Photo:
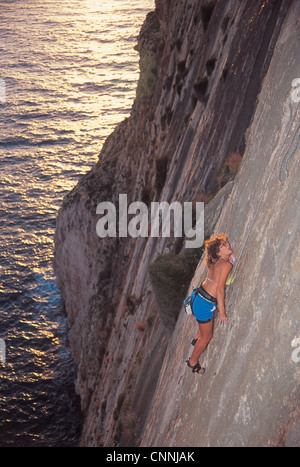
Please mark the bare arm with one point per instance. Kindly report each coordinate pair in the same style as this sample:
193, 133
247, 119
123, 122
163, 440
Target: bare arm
226, 268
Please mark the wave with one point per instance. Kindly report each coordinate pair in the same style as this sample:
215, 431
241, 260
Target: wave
12, 142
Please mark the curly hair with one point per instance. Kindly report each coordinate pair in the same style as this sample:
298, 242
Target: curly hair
212, 247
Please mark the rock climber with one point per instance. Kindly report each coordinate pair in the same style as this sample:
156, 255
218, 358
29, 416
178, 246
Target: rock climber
210, 296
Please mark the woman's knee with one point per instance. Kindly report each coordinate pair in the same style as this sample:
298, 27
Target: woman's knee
205, 332
209, 337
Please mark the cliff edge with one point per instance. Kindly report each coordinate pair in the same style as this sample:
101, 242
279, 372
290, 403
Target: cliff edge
249, 395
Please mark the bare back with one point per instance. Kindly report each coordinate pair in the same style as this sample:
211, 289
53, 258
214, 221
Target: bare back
213, 277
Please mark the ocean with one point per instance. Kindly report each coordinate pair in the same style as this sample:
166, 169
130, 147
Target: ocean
68, 74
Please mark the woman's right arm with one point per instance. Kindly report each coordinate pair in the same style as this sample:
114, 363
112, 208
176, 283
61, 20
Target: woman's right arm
226, 268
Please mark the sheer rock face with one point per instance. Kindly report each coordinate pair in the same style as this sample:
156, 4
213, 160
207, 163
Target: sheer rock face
209, 70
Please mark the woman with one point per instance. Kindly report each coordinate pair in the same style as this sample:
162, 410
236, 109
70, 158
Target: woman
211, 295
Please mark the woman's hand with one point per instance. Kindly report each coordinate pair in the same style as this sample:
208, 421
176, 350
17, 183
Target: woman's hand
223, 319
232, 259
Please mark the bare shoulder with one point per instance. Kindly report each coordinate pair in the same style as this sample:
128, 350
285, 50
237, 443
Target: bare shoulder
224, 265
224, 269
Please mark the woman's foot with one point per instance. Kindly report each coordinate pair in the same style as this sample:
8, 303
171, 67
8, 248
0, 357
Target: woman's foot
195, 368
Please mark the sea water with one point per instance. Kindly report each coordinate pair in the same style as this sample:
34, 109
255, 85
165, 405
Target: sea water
68, 74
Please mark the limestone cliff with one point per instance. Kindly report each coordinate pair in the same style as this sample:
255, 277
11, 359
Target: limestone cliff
215, 85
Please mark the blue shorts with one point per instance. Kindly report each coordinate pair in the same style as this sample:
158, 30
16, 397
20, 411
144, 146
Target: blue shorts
203, 307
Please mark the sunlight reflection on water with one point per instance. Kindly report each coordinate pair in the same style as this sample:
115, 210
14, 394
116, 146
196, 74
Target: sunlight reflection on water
70, 73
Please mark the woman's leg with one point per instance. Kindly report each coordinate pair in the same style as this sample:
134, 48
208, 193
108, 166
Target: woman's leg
205, 334
198, 334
